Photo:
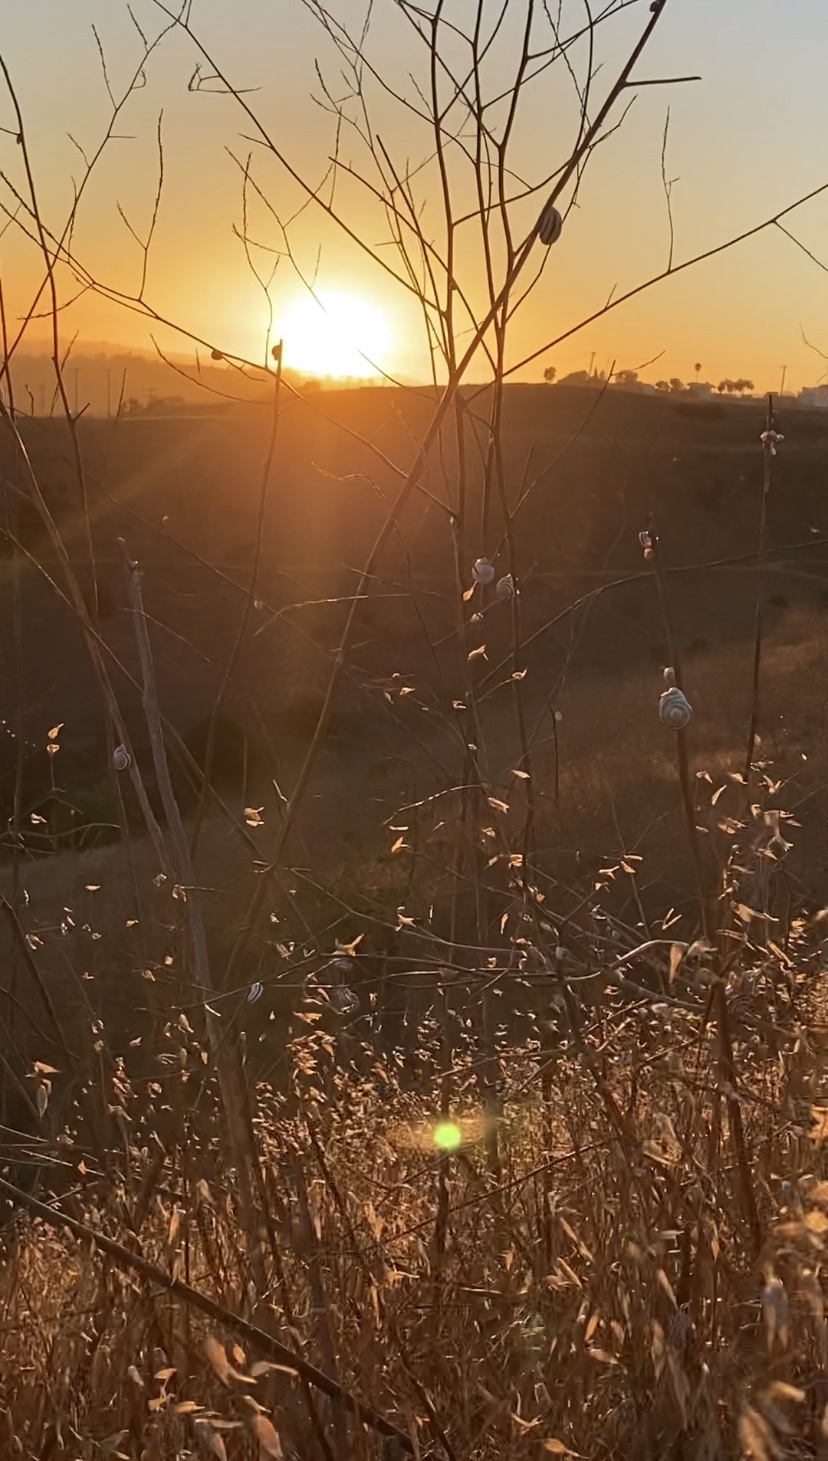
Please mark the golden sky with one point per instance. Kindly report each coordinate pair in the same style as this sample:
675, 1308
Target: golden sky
744, 142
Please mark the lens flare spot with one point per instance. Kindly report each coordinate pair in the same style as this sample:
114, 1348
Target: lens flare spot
448, 1136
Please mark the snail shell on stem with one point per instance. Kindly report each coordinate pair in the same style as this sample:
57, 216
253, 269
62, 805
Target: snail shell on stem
675, 709
505, 588
550, 225
483, 571
121, 758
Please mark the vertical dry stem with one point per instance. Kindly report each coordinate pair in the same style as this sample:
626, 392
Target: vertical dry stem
224, 1051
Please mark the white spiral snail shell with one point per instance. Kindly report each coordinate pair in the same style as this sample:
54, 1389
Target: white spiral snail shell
483, 571
505, 588
121, 758
550, 225
675, 709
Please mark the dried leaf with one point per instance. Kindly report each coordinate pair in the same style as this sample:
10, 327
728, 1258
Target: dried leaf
55, 731
215, 1353
747, 915
264, 1367
755, 1435
497, 804
665, 1285
267, 1437
212, 1440
780, 1390
478, 653
109, 1445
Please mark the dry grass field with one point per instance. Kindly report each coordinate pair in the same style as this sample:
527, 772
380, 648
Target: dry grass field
533, 1161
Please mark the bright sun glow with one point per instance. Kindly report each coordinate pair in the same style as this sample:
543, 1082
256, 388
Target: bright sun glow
448, 1136
334, 335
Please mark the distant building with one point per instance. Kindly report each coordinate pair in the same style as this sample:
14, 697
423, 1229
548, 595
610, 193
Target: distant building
814, 396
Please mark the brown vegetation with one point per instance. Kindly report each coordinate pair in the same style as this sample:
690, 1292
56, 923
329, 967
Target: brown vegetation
581, 1275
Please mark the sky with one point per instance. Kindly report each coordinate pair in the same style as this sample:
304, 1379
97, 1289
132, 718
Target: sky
745, 141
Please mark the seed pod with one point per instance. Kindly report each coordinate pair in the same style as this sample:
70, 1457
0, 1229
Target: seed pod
550, 225
675, 709
483, 571
121, 758
505, 588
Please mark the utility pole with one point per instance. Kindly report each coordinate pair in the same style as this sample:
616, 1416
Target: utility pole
108, 394
782, 386
591, 364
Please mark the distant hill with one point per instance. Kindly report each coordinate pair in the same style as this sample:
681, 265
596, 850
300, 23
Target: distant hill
102, 380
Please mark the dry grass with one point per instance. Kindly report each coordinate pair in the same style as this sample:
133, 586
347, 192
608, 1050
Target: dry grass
578, 1277
597, 1296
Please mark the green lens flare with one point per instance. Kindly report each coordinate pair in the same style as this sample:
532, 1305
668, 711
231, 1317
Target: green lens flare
448, 1136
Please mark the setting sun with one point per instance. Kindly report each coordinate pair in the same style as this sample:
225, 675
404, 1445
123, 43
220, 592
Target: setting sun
333, 334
